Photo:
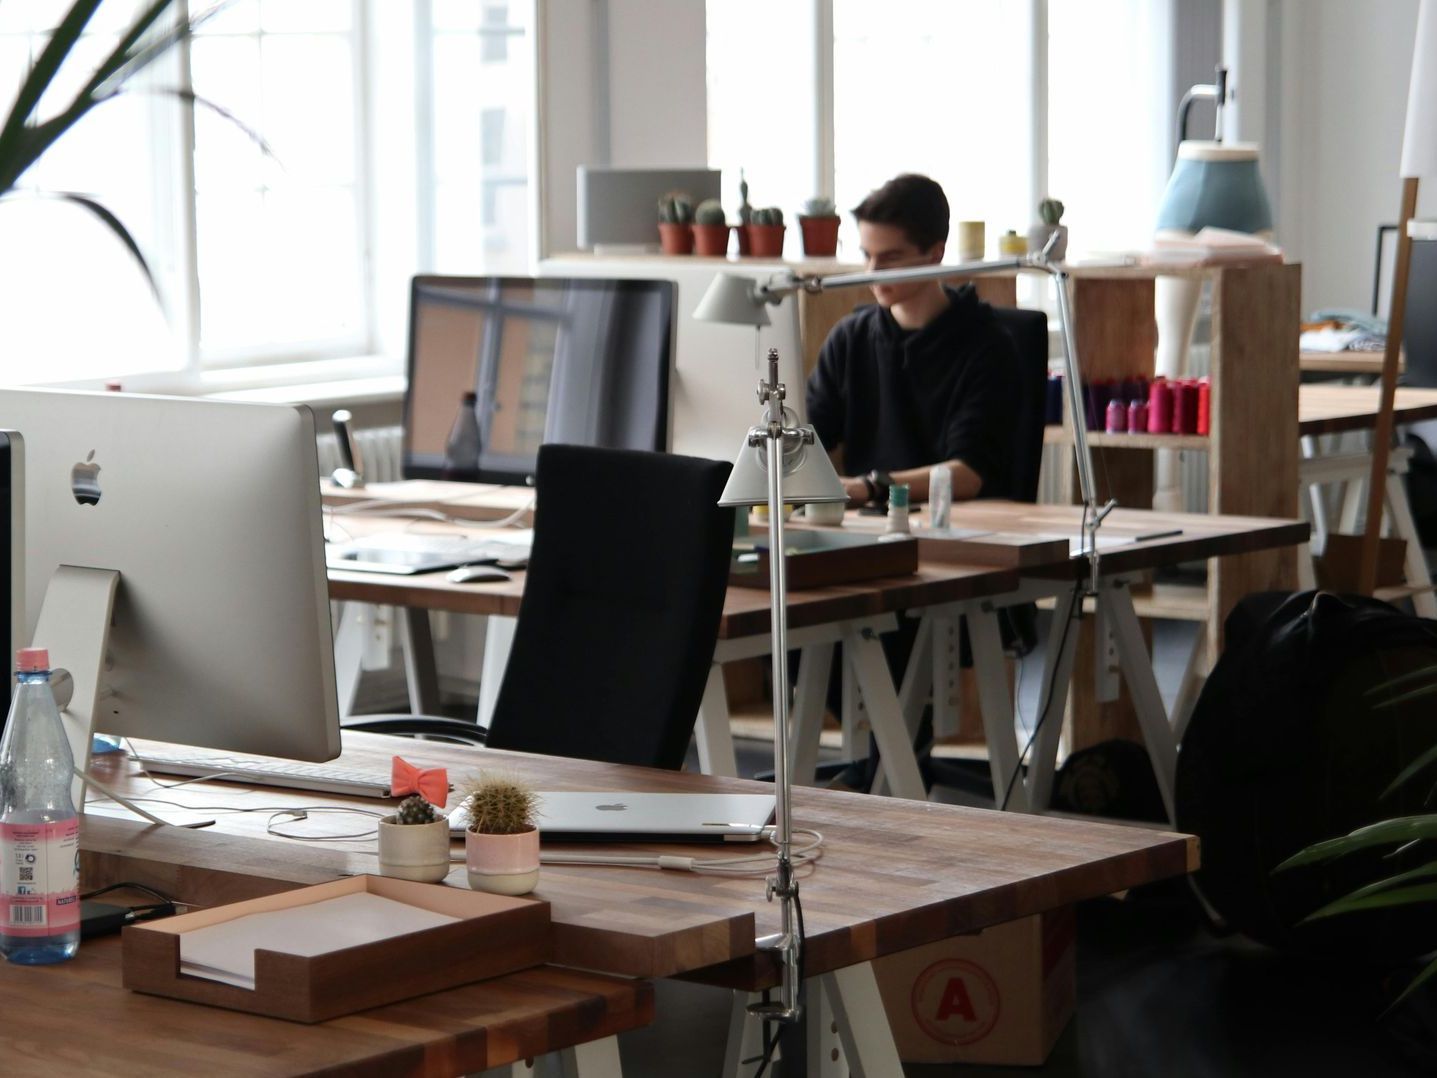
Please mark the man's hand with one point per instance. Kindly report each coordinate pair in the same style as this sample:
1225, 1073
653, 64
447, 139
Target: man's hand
856, 488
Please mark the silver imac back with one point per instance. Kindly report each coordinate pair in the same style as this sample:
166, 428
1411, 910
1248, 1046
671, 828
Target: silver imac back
210, 512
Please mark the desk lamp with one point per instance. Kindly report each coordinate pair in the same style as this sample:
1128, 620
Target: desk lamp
1419, 159
781, 461
1214, 184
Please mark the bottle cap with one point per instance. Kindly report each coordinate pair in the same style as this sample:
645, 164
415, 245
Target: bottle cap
30, 660
898, 496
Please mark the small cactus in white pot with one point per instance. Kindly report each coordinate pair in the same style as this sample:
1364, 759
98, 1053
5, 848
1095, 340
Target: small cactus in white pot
1051, 212
501, 843
414, 842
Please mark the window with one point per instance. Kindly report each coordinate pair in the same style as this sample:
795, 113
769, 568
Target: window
949, 88
383, 120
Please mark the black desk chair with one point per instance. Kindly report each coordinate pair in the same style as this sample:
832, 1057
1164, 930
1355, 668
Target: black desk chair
620, 615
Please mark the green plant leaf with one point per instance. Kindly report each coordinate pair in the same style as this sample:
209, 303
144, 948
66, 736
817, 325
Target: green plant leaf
1384, 833
191, 98
1420, 674
1417, 982
1426, 871
41, 75
116, 226
1413, 769
1402, 896
1413, 694
125, 59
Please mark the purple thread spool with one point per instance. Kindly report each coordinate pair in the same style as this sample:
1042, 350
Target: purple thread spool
1160, 407
1117, 417
1137, 416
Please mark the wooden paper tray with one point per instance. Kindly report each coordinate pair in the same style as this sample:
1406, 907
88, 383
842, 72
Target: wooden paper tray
820, 557
1005, 550
497, 935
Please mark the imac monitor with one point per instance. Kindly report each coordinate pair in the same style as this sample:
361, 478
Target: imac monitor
584, 361
210, 513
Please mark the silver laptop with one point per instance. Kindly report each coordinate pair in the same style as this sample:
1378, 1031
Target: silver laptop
647, 817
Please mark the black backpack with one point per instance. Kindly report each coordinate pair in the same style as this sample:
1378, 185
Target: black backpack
1288, 746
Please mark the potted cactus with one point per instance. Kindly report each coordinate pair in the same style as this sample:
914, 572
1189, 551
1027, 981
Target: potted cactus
818, 225
501, 843
745, 214
1050, 211
414, 842
710, 229
765, 234
676, 217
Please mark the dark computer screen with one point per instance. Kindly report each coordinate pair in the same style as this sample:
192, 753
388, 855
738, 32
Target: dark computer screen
584, 361
12, 574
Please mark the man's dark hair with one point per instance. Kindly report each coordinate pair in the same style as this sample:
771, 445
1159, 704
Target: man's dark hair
914, 203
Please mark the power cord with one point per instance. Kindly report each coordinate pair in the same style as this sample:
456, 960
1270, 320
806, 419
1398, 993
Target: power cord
1046, 700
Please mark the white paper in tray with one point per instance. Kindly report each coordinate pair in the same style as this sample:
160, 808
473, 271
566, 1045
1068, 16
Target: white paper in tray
225, 951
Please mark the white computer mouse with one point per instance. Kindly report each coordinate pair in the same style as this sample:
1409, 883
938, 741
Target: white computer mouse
477, 574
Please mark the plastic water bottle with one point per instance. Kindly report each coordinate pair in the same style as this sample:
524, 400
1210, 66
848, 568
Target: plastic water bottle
461, 449
940, 495
39, 830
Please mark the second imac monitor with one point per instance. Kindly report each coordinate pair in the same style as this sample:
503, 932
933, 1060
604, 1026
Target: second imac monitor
580, 361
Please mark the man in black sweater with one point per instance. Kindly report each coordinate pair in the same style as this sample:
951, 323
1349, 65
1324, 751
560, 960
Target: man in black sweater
926, 376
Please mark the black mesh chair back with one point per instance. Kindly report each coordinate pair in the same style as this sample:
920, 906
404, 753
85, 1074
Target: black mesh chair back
1029, 330
621, 607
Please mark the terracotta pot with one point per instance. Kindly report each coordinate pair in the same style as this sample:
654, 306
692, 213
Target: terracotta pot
820, 236
502, 864
743, 244
676, 239
414, 851
766, 241
711, 240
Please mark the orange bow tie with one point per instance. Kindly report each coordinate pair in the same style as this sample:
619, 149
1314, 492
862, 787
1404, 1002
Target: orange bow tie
430, 783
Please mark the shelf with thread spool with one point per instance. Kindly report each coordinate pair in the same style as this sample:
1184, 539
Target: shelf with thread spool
1053, 434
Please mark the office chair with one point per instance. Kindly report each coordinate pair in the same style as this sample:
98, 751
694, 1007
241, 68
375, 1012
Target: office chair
620, 614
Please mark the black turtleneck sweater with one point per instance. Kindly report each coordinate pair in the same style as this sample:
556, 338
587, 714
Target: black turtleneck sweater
897, 399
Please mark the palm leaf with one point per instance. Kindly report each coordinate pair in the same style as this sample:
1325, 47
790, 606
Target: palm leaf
1421, 979
1423, 872
1402, 896
1421, 674
191, 98
121, 56
1404, 829
115, 225
1412, 770
1413, 694
42, 74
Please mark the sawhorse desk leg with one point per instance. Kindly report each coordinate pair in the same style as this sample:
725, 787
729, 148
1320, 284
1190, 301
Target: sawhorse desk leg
597, 1059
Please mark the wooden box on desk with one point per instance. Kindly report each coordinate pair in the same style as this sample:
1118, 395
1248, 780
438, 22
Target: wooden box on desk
1006, 550
820, 557
494, 936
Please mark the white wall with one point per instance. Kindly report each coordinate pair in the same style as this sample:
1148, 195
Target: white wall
621, 83
1343, 69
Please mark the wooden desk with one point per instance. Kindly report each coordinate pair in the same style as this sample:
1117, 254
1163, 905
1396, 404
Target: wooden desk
1328, 409
75, 1019
1354, 363
854, 614
895, 874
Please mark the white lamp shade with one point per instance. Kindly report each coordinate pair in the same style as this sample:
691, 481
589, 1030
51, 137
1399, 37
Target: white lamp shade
732, 299
808, 477
1419, 143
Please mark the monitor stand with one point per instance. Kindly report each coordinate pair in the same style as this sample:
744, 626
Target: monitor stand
74, 626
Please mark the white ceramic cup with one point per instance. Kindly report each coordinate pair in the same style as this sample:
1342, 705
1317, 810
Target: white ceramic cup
823, 512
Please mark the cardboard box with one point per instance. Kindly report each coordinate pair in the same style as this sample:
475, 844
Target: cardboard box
1000, 996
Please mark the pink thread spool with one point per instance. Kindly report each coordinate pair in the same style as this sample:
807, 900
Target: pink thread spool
1185, 407
1137, 416
1117, 417
1204, 416
1160, 407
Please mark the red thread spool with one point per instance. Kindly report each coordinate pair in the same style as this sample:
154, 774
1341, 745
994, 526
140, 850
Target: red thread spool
1184, 408
1160, 407
1117, 417
1204, 416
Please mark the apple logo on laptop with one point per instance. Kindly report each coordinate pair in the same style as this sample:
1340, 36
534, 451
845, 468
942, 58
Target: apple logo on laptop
85, 481
617, 806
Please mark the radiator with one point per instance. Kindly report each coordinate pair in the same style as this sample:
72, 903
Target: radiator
380, 448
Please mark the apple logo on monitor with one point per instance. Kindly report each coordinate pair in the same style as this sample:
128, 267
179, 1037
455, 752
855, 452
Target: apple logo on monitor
85, 481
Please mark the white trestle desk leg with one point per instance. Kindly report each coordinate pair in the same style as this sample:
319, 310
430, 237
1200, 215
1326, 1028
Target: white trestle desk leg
349, 653
996, 705
862, 650
1399, 510
1147, 700
1058, 654
498, 639
809, 700
712, 732
862, 1022
745, 1037
824, 1046
597, 1059
419, 669
1194, 676
913, 693
854, 720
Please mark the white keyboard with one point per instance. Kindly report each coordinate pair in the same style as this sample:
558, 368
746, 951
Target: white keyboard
289, 774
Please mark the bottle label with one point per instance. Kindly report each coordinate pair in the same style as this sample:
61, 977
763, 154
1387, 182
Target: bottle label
39, 878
